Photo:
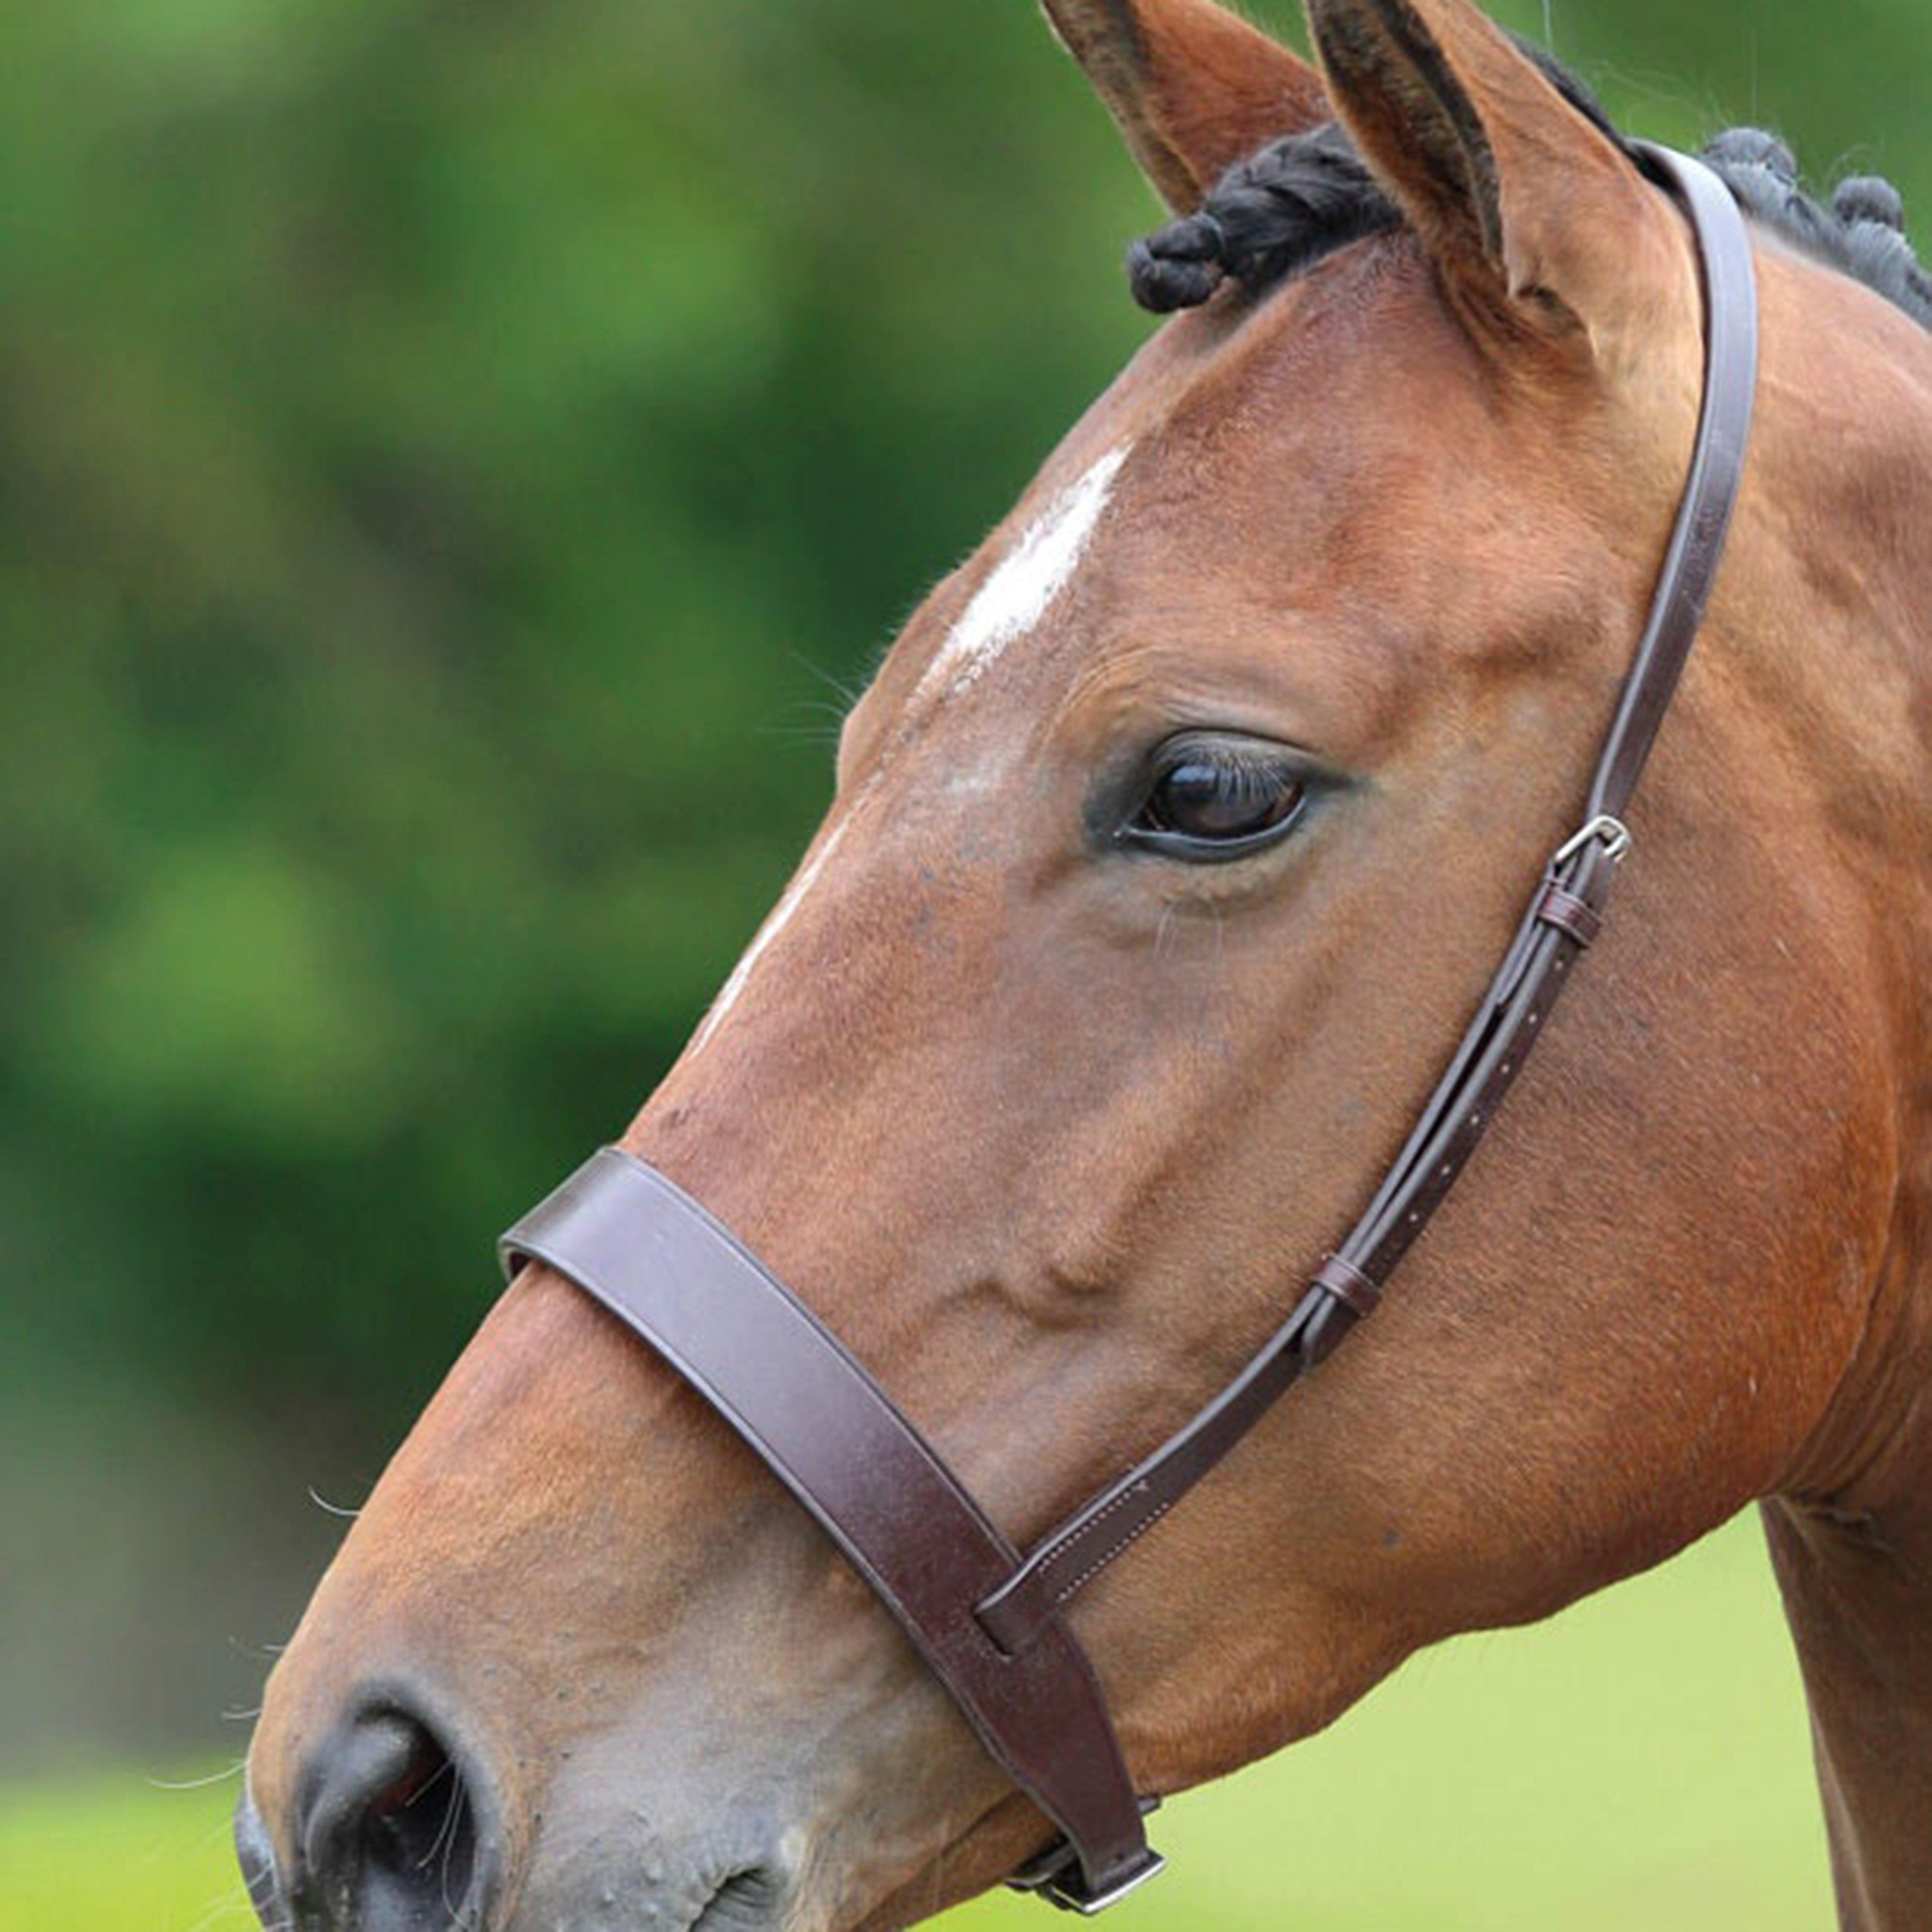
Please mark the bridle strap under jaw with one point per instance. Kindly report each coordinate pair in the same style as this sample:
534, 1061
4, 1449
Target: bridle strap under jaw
988, 1622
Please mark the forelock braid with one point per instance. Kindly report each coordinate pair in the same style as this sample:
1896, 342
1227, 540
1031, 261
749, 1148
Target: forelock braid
1276, 214
1273, 216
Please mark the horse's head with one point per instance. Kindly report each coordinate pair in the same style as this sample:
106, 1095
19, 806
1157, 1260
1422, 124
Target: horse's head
1172, 848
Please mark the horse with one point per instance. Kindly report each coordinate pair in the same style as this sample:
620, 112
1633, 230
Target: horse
1172, 848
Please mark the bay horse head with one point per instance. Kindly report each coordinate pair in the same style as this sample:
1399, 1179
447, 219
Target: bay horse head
1172, 848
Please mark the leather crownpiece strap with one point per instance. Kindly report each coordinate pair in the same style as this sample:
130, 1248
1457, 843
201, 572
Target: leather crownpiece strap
989, 1621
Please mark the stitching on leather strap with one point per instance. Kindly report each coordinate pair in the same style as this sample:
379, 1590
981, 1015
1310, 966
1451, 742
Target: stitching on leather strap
1072, 1589
1076, 1538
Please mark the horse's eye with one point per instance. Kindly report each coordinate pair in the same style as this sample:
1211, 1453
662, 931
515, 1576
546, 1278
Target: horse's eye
1217, 797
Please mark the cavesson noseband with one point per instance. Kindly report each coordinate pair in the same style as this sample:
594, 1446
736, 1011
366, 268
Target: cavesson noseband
988, 1619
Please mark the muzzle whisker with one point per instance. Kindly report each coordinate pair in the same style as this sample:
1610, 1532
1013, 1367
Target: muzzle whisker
446, 1769
452, 1828
214, 1777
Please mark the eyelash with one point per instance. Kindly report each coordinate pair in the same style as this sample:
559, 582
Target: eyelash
1212, 798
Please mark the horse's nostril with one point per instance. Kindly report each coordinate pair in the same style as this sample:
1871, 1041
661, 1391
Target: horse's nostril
391, 1839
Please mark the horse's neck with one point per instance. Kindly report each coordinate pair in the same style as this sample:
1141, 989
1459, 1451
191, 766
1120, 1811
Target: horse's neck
1852, 1545
1851, 1539
1852, 1550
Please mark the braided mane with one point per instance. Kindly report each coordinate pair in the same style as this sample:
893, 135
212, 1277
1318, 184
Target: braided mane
1273, 216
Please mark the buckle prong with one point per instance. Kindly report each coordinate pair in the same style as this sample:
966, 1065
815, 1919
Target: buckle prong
1614, 834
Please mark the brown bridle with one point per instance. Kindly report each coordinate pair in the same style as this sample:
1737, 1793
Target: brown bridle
987, 1619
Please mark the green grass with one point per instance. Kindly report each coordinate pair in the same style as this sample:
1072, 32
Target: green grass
118, 1855
1640, 1765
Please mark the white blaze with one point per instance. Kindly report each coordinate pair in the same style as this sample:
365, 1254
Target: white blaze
1026, 580
1014, 598
780, 917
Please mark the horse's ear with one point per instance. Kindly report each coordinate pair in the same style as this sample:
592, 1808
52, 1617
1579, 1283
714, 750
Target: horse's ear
1194, 88
1528, 207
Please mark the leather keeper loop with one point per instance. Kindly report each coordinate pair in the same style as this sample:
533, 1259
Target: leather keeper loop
1349, 1286
1564, 910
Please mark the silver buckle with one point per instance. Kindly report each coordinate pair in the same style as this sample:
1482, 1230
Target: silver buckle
1055, 1875
1067, 1886
1614, 834
1089, 1904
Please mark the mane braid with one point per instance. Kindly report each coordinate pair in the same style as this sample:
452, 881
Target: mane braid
1272, 217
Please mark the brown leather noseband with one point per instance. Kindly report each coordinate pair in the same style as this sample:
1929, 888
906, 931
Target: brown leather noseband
988, 1620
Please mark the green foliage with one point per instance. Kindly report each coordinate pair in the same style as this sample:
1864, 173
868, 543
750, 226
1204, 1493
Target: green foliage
455, 460
459, 459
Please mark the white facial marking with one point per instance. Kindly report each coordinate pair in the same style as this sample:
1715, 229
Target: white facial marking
1015, 596
779, 918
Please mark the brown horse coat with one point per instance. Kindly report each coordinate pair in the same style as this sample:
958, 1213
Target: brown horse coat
1043, 1126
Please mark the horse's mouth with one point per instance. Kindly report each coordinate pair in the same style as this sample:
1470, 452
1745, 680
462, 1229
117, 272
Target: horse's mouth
751, 1900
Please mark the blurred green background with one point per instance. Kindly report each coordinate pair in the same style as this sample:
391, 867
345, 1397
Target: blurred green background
456, 460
